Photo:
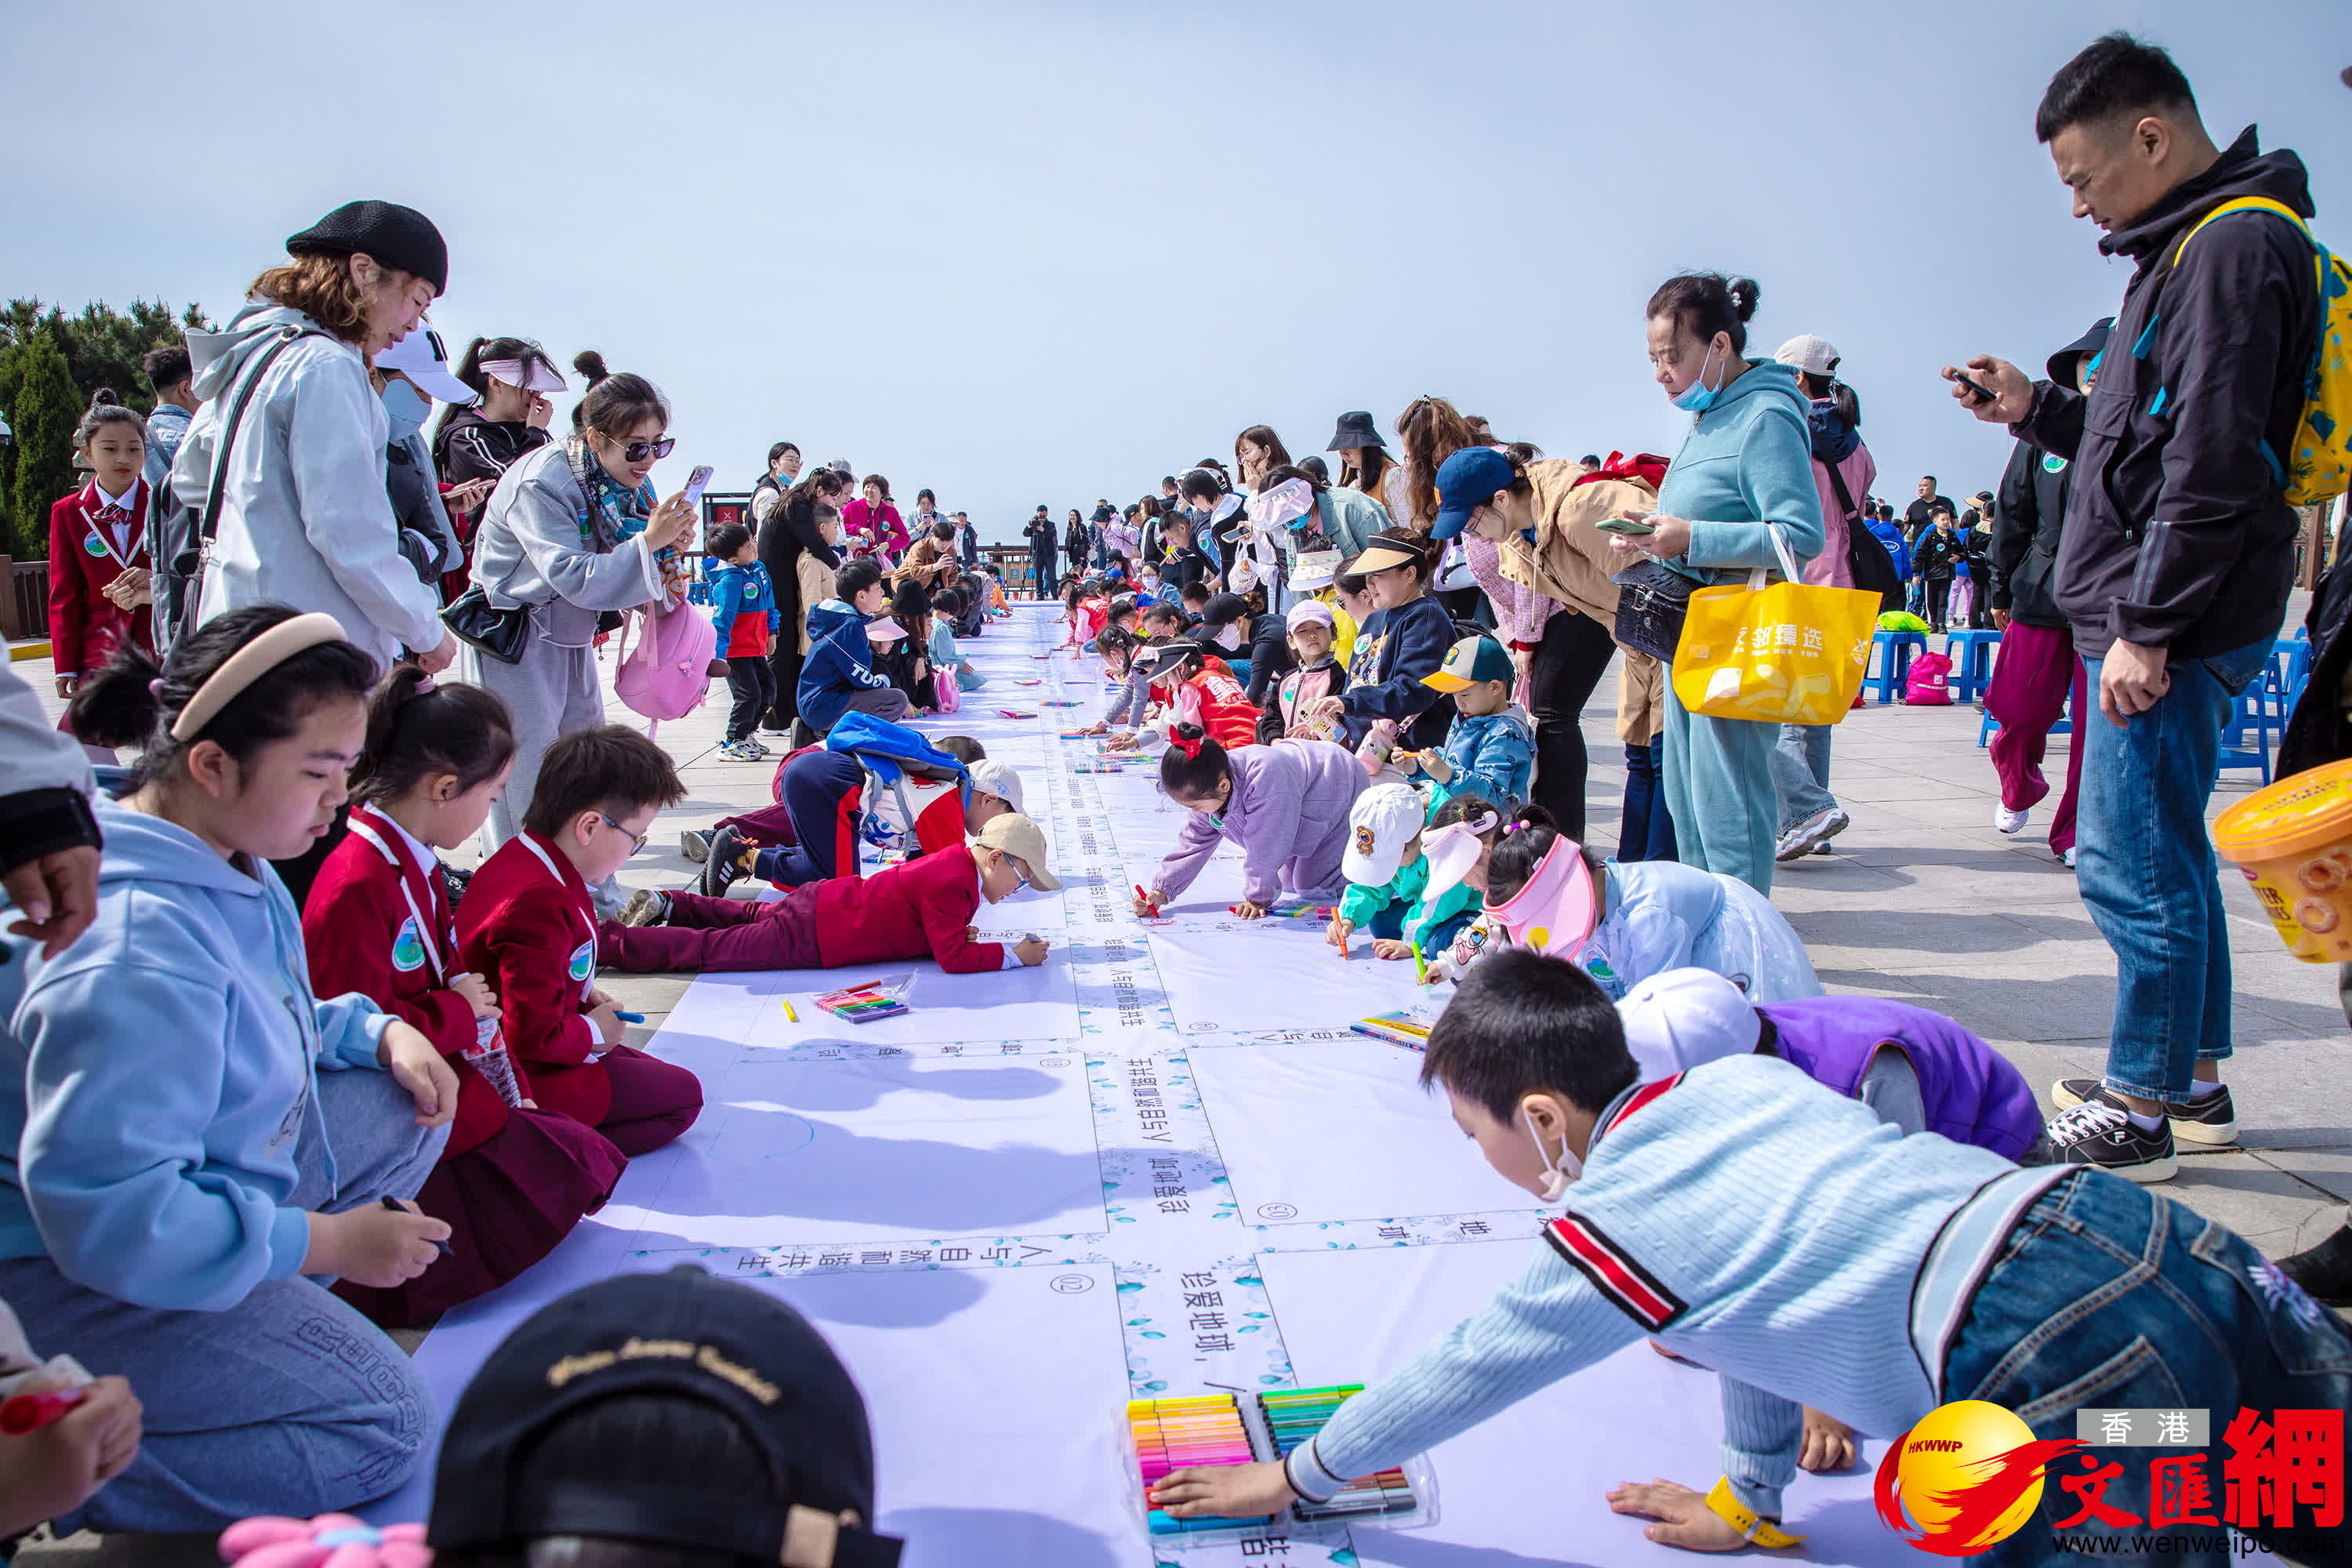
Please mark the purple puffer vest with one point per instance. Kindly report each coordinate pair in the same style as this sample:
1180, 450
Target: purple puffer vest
1971, 1093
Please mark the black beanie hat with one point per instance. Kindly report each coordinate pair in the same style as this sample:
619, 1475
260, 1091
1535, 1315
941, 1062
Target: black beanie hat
396, 235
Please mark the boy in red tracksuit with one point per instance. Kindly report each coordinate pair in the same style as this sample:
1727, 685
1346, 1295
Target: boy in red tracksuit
526, 923
830, 803
920, 908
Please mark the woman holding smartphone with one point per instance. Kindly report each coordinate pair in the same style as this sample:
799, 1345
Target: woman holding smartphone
1745, 471
571, 531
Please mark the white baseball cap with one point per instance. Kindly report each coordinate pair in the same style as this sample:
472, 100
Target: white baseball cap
999, 779
1380, 825
1814, 356
1306, 610
1684, 1018
423, 358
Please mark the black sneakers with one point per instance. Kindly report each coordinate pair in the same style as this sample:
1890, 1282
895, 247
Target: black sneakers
2208, 1119
723, 863
2100, 1132
2324, 1271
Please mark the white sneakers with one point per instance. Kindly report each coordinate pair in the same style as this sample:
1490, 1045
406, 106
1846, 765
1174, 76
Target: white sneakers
1815, 833
2007, 821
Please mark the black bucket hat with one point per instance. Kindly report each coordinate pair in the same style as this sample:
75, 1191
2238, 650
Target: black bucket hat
2062, 363
394, 235
1355, 429
680, 1336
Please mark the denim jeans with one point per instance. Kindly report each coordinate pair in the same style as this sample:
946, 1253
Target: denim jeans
1646, 830
1801, 773
288, 1402
2110, 1297
2148, 873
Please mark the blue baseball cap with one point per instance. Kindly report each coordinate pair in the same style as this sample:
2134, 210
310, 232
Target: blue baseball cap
1466, 481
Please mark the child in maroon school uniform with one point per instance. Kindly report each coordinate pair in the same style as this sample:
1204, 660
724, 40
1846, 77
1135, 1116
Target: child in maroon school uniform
513, 1180
101, 576
527, 922
920, 908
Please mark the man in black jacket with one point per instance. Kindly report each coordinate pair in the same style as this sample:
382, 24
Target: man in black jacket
2175, 561
1043, 542
2037, 666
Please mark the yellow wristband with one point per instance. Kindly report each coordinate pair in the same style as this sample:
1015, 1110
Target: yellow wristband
1757, 1529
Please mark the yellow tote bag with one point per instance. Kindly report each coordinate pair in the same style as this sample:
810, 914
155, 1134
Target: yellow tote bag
1789, 653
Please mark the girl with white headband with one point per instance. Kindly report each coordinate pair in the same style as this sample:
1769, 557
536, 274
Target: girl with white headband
200, 1139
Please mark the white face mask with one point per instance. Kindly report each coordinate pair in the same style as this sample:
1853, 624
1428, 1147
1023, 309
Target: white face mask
1228, 636
1555, 1177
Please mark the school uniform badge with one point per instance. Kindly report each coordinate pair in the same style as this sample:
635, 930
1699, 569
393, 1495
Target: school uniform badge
93, 545
408, 947
583, 960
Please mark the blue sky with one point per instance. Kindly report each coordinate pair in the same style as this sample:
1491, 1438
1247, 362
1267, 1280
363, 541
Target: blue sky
1049, 252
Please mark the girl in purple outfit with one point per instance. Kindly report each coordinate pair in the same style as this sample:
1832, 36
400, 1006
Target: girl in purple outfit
1285, 804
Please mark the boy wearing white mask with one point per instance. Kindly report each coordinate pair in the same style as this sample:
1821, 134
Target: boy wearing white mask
1764, 1225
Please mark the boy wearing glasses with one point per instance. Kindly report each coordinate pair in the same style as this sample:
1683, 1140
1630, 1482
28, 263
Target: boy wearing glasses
527, 924
922, 908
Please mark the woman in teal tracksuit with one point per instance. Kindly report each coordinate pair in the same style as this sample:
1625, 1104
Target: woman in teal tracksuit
1745, 470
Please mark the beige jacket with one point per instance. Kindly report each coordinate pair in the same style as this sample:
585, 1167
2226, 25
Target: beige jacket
1640, 697
1571, 559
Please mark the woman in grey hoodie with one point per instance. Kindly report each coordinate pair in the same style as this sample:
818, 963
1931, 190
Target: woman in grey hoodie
304, 519
571, 531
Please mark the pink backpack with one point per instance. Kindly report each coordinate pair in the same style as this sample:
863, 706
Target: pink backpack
668, 674
949, 694
1926, 687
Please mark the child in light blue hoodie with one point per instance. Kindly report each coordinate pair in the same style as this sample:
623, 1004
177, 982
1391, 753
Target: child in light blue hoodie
1744, 472
199, 1139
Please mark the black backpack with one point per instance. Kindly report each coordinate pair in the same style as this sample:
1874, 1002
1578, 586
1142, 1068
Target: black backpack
1866, 555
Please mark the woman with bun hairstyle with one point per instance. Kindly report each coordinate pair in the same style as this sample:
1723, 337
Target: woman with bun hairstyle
571, 531
100, 570
511, 378
1744, 472
1285, 804
304, 519
513, 1179
198, 1137
792, 526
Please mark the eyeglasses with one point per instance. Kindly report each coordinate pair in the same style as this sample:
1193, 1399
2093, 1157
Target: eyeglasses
636, 840
638, 451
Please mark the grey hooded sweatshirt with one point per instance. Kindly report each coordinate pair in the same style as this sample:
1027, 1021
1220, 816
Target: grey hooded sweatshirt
304, 519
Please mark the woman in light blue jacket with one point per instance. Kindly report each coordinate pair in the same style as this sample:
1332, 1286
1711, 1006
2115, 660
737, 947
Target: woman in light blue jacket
197, 1137
1744, 472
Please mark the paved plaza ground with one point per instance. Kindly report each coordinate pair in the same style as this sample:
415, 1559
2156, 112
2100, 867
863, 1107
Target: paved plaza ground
1922, 901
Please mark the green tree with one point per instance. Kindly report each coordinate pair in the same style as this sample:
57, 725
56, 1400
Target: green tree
44, 409
12, 376
102, 346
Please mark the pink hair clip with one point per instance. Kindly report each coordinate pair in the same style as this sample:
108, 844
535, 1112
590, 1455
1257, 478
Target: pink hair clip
424, 683
155, 689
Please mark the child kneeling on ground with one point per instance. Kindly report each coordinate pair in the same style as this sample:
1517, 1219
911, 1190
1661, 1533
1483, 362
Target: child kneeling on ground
197, 1136
918, 909
1760, 1224
526, 923
1388, 880
1286, 804
1622, 923
514, 1180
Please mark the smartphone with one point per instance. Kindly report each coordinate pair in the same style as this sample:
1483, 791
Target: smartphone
695, 484
1981, 394
1626, 526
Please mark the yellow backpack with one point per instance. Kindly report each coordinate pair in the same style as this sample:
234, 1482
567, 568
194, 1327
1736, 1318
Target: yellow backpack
2320, 467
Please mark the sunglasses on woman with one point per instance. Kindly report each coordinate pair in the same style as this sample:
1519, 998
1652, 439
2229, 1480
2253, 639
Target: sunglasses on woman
638, 451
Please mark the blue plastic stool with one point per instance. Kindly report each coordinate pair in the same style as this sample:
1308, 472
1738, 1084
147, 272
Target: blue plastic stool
1971, 655
2252, 712
2289, 672
1893, 652
2065, 726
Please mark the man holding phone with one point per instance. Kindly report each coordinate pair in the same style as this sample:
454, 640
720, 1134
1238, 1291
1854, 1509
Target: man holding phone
2175, 561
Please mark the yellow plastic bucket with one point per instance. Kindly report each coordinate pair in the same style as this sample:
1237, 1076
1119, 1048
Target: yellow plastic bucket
2294, 842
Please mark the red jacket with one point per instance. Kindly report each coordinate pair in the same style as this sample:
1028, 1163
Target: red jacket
918, 909
378, 925
527, 926
85, 626
1226, 711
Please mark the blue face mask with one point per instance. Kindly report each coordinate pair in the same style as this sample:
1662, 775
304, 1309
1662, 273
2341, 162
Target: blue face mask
405, 407
1697, 397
